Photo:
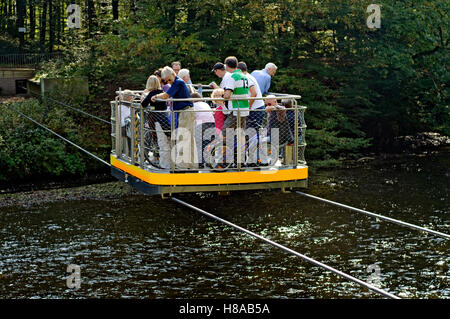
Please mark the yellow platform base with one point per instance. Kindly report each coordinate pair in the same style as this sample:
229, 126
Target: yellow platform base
213, 178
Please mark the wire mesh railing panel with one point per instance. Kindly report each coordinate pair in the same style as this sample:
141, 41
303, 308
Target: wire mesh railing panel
206, 137
26, 59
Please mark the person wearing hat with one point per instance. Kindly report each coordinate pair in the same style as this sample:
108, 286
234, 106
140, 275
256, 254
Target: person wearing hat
220, 71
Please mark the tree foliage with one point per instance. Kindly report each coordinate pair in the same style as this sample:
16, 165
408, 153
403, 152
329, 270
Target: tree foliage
362, 86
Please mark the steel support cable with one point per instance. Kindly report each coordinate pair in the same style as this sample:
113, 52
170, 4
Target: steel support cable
75, 109
389, 219
313, 261
61, 137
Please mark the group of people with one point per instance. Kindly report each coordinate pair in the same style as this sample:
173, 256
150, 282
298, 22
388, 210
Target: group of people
195, 130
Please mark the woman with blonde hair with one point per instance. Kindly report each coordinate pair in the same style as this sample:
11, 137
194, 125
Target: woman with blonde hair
152, 87
158, 119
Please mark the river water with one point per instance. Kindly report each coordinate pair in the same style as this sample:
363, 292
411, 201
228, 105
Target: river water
137, 246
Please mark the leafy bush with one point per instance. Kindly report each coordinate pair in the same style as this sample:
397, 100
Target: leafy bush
362, 87
28, 151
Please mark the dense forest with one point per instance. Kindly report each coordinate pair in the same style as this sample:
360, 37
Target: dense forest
362, 86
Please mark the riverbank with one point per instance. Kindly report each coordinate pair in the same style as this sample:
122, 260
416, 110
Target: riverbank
101, 191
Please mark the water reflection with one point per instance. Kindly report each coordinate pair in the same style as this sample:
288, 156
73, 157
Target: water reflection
146, 247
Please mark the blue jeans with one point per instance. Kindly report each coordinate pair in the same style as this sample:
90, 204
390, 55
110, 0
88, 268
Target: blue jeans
255, 119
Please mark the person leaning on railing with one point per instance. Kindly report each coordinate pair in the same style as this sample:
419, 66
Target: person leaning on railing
236, 86
276, 119
290, 115
264, 76
255, 119
158, 121
186, 155
152, 87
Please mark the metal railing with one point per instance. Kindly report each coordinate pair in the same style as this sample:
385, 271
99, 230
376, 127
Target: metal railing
207, 139
26, 59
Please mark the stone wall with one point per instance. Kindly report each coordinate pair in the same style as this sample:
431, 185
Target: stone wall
71, 86
8, 77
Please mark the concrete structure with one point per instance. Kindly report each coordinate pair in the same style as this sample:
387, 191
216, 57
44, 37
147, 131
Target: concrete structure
13, 80
76, 86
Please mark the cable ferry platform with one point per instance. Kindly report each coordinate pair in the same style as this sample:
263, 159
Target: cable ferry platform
268, 156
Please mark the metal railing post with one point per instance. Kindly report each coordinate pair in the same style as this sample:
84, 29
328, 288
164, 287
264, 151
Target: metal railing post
119, 144
141, 129
131, 148
173, 151
239, 138
113, 126
133, 134
294, 103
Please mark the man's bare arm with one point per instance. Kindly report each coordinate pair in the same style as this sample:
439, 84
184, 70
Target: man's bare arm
160, 96
252, 94
214, 85
228, 94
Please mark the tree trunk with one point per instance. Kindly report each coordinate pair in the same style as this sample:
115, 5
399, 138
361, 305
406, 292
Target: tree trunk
43, 20
133, 10
115, 14
58, 22
104, 13
2, 14
92, 21
9, 14
21, 13
115, 9
32, 19
51, 28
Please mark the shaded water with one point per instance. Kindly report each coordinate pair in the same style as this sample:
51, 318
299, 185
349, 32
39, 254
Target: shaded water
146, 247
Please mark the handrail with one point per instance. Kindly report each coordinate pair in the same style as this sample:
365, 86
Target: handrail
26, 59
139, 105
230, 99
287, 96
262, 151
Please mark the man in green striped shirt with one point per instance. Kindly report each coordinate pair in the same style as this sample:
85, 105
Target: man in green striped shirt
236, 86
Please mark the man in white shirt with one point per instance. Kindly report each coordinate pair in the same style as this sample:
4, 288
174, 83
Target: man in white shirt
254, 120
235, 84
220, 71
257, 104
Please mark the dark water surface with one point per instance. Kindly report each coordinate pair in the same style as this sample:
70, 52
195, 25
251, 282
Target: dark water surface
146, 247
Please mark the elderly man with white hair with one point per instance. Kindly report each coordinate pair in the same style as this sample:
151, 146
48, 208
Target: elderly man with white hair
185, 75
264, 76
